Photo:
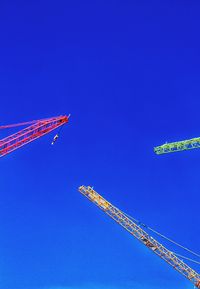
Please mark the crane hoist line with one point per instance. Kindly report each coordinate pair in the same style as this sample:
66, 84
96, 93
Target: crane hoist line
35, 130
135, 230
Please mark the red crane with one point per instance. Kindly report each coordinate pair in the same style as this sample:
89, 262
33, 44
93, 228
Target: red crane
36, 129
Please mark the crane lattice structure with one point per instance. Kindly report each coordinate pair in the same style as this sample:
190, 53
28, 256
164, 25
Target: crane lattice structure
135, 230
178, 146
36, 129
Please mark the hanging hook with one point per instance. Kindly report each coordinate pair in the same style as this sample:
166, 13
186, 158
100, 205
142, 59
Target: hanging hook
55, 139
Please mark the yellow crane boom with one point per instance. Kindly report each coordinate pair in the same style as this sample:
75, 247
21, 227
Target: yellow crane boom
135, 230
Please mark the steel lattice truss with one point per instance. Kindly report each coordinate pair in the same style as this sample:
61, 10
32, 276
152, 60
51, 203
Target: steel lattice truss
141, 235
193, 143
30, 133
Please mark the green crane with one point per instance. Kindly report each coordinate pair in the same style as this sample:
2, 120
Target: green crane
178, 146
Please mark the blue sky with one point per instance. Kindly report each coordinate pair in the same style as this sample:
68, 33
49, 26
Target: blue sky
128, 72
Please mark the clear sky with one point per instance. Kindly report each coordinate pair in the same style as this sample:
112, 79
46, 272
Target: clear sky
128, 72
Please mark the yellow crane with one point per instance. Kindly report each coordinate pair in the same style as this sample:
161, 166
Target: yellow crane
135, 230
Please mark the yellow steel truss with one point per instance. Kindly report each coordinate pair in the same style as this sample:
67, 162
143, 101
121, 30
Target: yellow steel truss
141, 235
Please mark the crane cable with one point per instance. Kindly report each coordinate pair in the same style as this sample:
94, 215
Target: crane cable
168, 239
172, 241
186, 258
58, 133
24, 123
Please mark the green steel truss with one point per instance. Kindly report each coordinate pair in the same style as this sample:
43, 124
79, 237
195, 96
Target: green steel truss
178, 146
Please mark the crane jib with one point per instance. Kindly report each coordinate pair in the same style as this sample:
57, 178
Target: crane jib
128, 224
30, 133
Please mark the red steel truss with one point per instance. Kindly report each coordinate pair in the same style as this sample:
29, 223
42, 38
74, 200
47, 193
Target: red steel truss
141, 235
37, 129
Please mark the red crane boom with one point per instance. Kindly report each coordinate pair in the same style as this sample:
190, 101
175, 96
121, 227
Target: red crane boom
37, 129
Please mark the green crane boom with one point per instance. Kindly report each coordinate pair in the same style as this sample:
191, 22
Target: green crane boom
178, 146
